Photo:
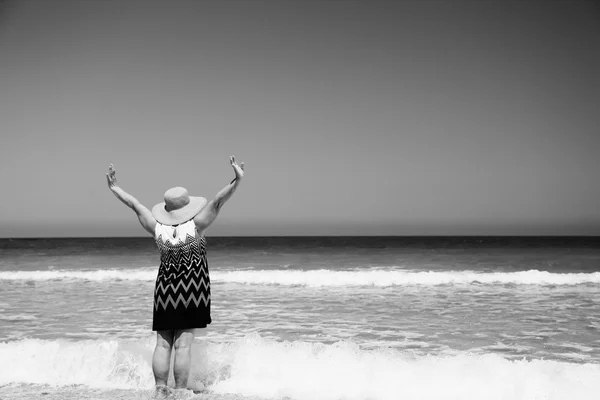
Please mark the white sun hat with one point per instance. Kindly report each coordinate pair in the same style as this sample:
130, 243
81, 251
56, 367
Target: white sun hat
178, 207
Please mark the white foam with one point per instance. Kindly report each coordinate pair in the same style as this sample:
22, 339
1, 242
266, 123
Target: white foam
323, 277
398, 277
254, 366
141, 274
302, 371
92, 363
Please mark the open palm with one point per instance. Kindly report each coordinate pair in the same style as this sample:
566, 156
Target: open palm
238, 169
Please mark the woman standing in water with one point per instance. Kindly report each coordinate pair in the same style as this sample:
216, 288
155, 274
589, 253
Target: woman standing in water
182, 291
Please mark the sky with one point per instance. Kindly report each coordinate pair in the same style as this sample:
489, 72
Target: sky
352, 117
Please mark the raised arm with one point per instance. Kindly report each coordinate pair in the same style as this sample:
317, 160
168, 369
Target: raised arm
143, 214
211, 210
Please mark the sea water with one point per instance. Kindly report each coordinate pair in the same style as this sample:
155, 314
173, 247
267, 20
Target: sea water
311, 318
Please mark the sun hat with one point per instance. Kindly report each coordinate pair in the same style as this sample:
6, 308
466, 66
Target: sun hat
178, 207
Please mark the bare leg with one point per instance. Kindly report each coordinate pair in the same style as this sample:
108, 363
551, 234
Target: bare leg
182, 361
161, 360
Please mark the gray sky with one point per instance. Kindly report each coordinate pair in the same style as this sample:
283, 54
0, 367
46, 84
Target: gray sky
371, 117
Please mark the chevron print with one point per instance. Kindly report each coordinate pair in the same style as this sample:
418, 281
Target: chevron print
197, 284
184, 301
182, 290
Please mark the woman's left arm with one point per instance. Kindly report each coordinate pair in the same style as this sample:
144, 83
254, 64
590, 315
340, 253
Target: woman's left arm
211, 210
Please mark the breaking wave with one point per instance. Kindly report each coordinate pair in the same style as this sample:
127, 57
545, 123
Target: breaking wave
323, 277
254, 366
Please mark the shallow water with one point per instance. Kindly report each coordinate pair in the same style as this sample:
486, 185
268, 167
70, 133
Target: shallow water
308, 318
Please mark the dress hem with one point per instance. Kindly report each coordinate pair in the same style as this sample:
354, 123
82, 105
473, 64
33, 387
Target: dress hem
179, 328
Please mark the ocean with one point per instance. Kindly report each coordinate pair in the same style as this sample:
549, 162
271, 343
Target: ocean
311, 318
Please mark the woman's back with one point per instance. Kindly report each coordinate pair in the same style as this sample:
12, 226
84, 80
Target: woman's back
182, 291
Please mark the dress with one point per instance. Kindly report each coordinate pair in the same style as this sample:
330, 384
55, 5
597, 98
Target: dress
182, 291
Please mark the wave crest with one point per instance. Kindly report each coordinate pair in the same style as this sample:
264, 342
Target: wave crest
324, 277
253, 366
318, 278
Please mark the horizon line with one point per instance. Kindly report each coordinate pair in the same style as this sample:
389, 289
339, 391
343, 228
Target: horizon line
324, 236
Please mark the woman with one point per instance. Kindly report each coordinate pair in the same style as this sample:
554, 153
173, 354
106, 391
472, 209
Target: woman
182, 291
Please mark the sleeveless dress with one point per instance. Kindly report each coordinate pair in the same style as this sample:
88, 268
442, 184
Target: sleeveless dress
182, 290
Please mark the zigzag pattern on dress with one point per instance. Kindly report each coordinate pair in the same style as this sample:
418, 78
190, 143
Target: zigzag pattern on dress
183, 275
181, 299
160, 287
185, 253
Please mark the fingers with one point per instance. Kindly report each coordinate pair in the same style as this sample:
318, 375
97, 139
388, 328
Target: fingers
111, 176
110, 180
234, 164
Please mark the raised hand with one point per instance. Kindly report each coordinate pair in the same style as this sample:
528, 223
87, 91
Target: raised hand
111, 177
238, 169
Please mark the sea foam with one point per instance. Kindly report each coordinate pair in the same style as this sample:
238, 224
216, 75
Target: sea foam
254, 366
108, 363
319, 278
322, 277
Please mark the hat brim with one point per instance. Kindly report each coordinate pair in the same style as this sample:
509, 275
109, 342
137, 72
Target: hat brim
181, 215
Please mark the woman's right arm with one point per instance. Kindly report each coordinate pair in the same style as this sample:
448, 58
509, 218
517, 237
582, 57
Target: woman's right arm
144, 215
209, 213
